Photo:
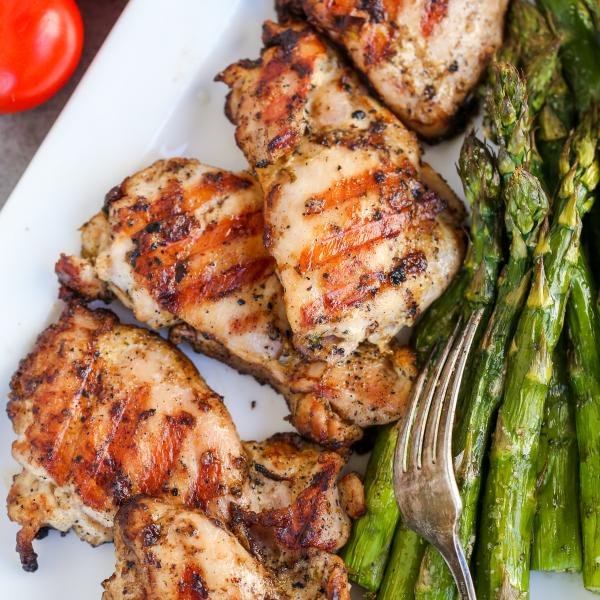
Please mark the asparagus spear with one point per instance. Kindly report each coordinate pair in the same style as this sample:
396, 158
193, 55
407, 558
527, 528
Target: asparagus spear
476, 281
403, 566
526, 208
438, 321
533, 47
580, 49
557, 531
579, 53
584, 371
366, 552
529, 27
539, 72
508, 109
553, 124
481, 183
526, 27
509, 501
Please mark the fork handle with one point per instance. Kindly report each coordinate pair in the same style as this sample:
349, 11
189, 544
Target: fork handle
454, 556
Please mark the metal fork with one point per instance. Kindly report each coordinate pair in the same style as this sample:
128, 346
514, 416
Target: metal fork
424, 482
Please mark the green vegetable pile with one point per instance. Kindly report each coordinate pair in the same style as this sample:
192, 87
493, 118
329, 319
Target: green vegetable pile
527, 437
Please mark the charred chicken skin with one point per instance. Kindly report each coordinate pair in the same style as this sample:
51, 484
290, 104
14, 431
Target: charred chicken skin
423, 57
165, 551
278, 544
295, 495
361, 246
181, 244
104, 411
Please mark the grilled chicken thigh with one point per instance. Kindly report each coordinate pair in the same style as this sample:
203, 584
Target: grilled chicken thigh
181, 244
169, 552
423, 57
361, 245
105, 412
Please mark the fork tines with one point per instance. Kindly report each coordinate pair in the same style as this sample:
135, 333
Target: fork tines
420, 435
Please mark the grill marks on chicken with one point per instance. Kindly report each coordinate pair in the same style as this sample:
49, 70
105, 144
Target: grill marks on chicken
299, 83
339, 253
361, 246
187, 245
181, 233
423, 57
129, 250
105, 411
277, 545
295, 518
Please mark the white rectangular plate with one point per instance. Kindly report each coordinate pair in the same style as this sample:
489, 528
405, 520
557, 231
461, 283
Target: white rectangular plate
149, 94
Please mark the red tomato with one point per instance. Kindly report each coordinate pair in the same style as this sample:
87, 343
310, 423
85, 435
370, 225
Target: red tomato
40, 46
